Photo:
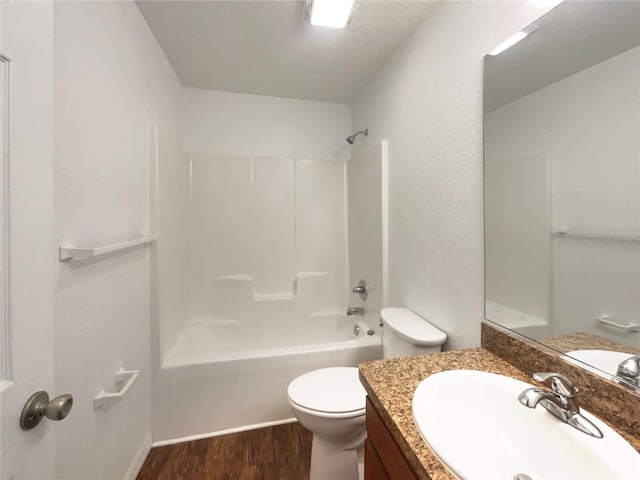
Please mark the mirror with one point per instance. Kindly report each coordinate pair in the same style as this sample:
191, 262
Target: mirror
562, 182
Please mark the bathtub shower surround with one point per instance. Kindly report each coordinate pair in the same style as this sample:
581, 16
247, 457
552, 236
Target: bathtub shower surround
267, 237
268, 293
518, 198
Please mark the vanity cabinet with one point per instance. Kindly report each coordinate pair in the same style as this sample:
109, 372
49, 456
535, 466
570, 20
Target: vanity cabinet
383, 459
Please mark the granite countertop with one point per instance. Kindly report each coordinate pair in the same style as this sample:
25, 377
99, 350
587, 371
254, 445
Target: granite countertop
585, 341
390, 384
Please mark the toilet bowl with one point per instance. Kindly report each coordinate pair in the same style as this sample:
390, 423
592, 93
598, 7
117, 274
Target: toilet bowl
331, 401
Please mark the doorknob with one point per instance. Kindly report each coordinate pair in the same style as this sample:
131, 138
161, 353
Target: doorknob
39, 406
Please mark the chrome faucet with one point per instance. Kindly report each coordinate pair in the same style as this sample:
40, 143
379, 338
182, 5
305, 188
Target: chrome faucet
355, 311
560, 401
629, 370
362, 289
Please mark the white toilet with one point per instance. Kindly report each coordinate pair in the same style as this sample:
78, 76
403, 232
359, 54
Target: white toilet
331, 401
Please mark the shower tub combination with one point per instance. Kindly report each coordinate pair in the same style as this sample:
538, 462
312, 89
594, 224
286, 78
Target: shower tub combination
267, 292
226, 375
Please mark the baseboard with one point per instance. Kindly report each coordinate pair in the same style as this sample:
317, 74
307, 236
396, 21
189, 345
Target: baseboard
138, 459
200, 436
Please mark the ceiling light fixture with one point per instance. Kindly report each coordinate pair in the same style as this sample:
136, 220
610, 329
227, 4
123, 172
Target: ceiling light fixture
329, 13
512, 40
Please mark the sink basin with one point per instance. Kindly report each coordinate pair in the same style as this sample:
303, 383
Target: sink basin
476, 426
604, 360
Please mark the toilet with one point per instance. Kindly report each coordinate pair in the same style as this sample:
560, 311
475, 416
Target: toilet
330, 402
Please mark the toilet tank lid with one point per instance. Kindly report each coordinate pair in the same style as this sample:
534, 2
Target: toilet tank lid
412, 328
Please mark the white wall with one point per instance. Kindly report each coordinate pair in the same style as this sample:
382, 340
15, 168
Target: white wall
221, 122
427, 101
589, 123
111, 82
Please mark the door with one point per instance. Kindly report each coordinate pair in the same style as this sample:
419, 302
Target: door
26, 251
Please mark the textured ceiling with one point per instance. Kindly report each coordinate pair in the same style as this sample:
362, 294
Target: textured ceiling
267, 48
569, 38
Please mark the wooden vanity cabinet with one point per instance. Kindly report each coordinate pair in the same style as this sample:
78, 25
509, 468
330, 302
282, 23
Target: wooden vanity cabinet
383, 459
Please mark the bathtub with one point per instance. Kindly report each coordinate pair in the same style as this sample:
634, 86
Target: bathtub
219, 370
522, 323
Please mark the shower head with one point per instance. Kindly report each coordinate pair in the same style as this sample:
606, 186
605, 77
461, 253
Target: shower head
352, 138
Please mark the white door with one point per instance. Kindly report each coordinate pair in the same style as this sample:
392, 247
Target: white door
26, 33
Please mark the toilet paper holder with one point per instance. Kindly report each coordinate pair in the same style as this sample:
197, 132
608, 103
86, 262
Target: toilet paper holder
123, 381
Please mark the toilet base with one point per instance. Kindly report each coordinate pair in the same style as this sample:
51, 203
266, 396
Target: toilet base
333, 462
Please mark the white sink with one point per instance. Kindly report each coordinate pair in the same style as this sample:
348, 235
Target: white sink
604, 360
476, 426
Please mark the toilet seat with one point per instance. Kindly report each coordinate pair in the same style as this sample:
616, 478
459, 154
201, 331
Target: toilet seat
329, 392
328, 415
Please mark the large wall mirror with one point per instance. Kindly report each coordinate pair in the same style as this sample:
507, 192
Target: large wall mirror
562, 182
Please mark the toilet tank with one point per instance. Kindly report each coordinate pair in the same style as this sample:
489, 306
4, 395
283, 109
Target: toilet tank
405, 333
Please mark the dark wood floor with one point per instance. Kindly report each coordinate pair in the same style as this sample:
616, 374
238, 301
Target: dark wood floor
282, 452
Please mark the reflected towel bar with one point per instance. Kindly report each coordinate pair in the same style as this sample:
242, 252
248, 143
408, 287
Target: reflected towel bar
630, 327
602, 237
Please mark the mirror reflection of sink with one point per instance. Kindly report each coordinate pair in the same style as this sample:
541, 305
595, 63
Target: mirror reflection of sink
476, 426
604, 360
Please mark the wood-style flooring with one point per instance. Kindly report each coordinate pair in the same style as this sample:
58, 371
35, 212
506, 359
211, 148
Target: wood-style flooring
282, 452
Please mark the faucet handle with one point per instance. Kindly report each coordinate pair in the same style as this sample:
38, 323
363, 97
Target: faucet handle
560, 384
630, 367
361, 289
629, 371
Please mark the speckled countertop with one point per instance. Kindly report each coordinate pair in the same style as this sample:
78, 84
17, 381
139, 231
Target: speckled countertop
390, 384
582, 341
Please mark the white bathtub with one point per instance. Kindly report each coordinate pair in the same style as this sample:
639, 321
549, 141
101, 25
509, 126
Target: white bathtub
218, 371
227, 340
522, 323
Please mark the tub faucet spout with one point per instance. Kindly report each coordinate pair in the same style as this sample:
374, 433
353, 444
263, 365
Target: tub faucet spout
355, 311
